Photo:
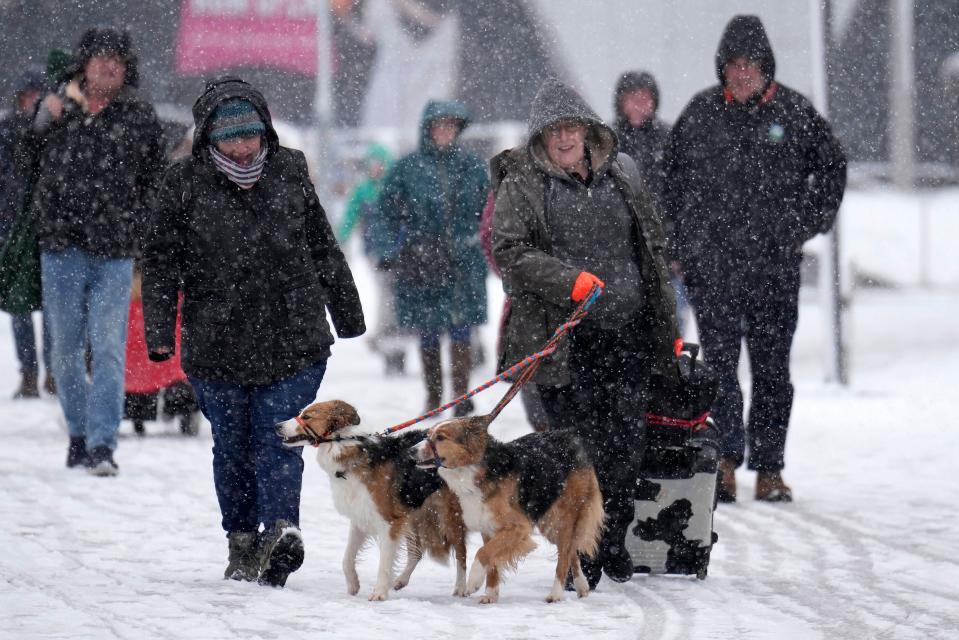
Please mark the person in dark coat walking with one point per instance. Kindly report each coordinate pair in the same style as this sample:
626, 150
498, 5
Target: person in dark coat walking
31, 86
95, 148
571, 213
430, 211
238, 228
752, 172
642, 136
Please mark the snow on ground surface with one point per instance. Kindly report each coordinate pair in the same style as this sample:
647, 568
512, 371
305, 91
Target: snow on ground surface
868, 550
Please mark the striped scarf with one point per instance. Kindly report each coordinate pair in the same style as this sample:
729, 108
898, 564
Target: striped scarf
244, 177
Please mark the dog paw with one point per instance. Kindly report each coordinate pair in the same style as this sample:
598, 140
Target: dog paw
399, 584
556, 595
460, 591
378, 596
352, 586
476, 579
489, 598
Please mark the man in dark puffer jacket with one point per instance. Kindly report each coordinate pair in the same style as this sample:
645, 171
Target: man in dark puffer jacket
95, 149
752, 172
239, 230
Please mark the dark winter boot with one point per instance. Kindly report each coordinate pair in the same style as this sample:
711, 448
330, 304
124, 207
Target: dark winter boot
726, 481
242, 564
771, 488
100, 462
28, 387
462, 358
77, 452
617, 563
432, 376
280, 553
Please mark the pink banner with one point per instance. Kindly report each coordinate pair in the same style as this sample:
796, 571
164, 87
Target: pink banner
219, 34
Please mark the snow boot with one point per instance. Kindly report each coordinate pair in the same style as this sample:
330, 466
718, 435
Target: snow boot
242, 563
395, 364
100, 462
77, 452
432, 376
617, 563
280, 553
726, 481
28, 387
771, 488
462, 358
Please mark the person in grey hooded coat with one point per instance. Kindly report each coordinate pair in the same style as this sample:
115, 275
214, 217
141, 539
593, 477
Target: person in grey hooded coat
571, 213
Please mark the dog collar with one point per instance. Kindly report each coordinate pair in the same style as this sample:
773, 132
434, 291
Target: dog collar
437, 460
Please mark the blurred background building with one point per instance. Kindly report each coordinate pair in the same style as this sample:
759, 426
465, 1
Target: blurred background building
384, 58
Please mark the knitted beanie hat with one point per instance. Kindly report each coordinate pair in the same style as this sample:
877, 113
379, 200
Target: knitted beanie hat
236, 118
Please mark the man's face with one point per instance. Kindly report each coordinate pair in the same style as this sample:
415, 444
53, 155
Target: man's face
744, 78
638, 106
105, 74
242, 151
566, 143
443, 131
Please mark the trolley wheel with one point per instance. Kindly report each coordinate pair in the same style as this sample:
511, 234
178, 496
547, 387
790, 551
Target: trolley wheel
701, 574
138, 428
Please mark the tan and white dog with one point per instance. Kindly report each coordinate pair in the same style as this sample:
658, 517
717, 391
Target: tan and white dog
541, 480
377, 485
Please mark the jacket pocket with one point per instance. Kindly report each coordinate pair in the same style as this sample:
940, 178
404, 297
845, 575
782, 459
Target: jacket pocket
207, 338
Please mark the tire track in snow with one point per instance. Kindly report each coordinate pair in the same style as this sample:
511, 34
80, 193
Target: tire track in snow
844, 573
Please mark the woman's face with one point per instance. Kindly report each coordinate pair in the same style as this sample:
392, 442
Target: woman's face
566, 143
242, 151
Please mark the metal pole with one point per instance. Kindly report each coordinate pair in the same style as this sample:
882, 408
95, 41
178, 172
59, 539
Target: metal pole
323, 103
902, 91
829, 271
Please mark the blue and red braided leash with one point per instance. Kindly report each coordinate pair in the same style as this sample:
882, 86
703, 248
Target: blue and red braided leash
526, 368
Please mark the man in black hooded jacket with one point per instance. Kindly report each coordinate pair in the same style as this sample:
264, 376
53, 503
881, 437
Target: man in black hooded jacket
238, 229
752, 172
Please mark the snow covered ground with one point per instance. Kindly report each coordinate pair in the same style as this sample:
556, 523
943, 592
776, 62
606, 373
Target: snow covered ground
868, 550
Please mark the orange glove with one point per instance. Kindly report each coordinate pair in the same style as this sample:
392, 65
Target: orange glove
584, 282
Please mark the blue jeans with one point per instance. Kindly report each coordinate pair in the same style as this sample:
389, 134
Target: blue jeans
257, 479
25, 341
86, 300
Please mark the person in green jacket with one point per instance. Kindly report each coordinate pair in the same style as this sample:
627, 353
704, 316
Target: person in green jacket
360, 212
429, 213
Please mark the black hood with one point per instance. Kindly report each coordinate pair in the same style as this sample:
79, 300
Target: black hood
745, 37
215, 93
556, 101
104, 39
634, 81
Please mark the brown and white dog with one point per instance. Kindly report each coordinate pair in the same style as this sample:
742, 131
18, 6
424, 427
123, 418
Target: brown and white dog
377, 485
542, 480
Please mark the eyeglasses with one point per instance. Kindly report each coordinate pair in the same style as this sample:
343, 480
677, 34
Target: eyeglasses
569, 128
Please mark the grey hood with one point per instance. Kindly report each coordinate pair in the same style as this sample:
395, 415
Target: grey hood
556, 101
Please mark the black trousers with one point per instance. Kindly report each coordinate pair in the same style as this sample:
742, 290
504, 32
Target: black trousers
763, 311
605, 404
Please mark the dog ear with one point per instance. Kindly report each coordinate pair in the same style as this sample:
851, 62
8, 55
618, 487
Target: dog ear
344, 415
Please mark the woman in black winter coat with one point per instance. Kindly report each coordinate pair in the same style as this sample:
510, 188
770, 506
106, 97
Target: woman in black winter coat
239, 230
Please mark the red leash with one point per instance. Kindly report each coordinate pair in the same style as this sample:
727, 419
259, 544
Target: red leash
526, 368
